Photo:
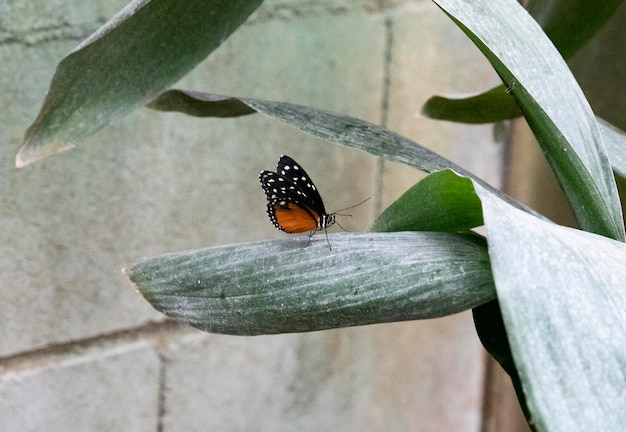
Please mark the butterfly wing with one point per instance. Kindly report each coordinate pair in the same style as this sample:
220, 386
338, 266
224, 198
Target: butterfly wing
289, 208
290, 169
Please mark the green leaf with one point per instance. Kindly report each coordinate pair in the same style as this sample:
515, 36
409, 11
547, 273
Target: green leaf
200, 104
569, 24
615, 141
280, 286
470, 111
563, 304
561, 292
335, 128
331, 127
492, 106
140, 52
443, 201
492, 334
552, 103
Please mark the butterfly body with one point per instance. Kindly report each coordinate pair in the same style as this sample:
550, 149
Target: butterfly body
293, 203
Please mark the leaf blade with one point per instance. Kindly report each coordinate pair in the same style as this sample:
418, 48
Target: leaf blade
442, 201
615, 140
335, 128
562, 300
491, 106
277, 287
125, 64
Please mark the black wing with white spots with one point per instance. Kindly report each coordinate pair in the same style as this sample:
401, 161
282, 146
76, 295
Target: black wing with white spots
293, 171
292, 186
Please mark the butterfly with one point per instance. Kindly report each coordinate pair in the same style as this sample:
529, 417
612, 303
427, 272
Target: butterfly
293, 203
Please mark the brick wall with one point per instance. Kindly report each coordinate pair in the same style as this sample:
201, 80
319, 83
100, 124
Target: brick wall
80, 350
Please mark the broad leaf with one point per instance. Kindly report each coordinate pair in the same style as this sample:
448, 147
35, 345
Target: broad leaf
443, 201
552, 103
140, 52
561, 292
282, 286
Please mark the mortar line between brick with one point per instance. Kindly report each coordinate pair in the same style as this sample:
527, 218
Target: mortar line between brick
387, 71
487, 396
384, 108
154, 333
161, 395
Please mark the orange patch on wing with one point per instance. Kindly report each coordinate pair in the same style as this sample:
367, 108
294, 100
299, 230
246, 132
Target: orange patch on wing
294, 219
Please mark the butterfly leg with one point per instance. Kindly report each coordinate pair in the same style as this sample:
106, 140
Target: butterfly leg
309, 239
312, 233
326, 232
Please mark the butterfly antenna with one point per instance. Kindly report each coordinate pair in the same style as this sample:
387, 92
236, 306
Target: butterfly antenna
348, 215
351, 207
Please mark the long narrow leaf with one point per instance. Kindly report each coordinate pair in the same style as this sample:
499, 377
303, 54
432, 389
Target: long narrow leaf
615, 140
552, 103
140, 52
472, 110
335, 128
282, 286
491, 106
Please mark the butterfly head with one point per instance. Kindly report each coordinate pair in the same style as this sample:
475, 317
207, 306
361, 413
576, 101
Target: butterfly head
324, 221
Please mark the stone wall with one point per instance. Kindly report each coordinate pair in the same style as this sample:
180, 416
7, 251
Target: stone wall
80, 350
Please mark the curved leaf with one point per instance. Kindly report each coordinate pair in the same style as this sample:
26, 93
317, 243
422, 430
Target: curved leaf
615, 140
442, 201
552, 103
335, 128
200, 104
144, 49
471, 110
281, 286
491, 106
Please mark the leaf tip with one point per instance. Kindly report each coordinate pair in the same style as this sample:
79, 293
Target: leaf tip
128, 272
30, 152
